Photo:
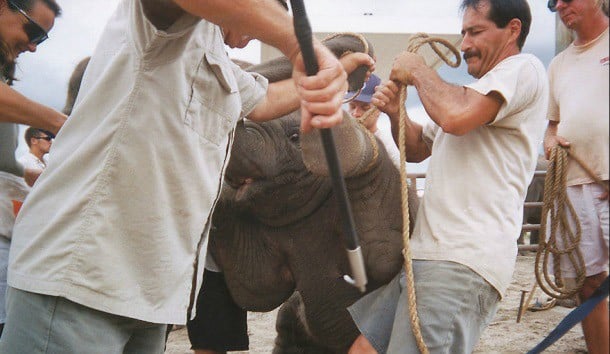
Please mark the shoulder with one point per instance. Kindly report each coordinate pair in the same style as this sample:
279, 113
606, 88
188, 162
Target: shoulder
525, 62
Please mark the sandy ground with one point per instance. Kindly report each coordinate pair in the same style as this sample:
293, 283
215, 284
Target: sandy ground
504, 335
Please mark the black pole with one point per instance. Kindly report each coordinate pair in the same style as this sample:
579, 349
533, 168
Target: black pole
303, 33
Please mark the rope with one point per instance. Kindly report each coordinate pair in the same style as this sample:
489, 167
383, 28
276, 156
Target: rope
556, 202
415, 43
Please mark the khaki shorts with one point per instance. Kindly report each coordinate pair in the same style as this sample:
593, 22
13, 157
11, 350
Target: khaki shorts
38, 323
592, 214
454, 305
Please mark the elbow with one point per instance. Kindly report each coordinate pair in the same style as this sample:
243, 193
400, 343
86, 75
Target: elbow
451, 127
455, 124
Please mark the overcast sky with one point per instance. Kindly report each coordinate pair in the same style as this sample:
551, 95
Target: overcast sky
43, 76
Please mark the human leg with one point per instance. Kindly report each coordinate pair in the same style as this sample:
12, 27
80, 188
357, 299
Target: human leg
592, 214
595, 325
47, 324
454, 305
362, 346
220, 325
373, 315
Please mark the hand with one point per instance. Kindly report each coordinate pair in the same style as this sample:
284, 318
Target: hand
387, 98
405, 64
352, 61
30, 175
551, 141
321, 95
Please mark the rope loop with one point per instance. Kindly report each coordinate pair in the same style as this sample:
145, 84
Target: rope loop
564, 236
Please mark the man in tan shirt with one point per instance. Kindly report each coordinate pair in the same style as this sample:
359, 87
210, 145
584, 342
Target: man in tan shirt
578, 117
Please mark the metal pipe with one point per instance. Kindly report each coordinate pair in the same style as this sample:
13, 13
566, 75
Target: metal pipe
302, 30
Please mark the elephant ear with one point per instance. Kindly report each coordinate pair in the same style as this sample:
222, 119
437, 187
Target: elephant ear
339, 44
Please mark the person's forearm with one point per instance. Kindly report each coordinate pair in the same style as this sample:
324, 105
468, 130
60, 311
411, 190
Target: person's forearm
443, 102
281, 99
263, 19
551, 129
16, 108
415, 148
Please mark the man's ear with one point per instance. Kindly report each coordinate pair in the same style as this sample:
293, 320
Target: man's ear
515, 28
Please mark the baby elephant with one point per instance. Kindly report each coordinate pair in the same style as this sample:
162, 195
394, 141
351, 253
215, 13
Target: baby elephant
277, 227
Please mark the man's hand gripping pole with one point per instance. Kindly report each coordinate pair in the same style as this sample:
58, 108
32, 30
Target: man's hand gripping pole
354, 253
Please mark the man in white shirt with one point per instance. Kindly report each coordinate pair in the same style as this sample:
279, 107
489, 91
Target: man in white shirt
39, 142
108, 248
482, 146
578, 117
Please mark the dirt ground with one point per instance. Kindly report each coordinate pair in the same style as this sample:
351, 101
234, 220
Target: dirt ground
504, 335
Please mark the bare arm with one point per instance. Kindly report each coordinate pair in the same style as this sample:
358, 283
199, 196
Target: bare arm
282, 96
387, 99
17, 108
551, 139
456, 109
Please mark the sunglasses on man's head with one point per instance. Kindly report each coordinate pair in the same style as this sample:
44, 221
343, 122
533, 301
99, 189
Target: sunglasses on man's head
36, 34
47, 138
552, 4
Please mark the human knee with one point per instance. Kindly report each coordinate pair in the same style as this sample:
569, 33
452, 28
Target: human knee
591, 284
362, 346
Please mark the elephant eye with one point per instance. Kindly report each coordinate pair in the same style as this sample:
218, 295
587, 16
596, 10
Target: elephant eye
294, 137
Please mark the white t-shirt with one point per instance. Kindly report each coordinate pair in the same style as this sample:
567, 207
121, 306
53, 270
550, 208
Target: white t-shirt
386, 138
116, 224
472, 209
30, 160
579, 94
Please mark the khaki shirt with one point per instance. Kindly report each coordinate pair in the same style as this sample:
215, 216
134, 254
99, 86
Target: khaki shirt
115, 223
579, 80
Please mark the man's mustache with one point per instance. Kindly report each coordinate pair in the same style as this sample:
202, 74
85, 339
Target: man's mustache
469, 54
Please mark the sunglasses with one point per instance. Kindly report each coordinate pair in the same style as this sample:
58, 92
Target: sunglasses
552, 4
36, 34
47, 138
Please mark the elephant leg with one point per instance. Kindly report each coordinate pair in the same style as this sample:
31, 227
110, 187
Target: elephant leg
292, 334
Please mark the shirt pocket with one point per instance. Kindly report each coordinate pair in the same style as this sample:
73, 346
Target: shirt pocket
215, 105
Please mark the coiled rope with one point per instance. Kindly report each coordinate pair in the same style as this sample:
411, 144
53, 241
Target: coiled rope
415, 43
557, 204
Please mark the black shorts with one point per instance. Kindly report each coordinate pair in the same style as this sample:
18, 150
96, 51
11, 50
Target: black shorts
219, 324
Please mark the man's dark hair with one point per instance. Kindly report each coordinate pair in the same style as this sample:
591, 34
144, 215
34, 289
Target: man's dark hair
7, 68
30, 133
26, 5
74, 85
501, 12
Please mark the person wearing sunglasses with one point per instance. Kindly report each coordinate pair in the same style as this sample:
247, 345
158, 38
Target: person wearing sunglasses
118, 251
39, 142
578, 118
24, 24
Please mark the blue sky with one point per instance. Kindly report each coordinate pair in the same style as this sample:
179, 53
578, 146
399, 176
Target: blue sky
43, 76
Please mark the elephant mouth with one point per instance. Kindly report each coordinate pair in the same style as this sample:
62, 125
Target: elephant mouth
242, 188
